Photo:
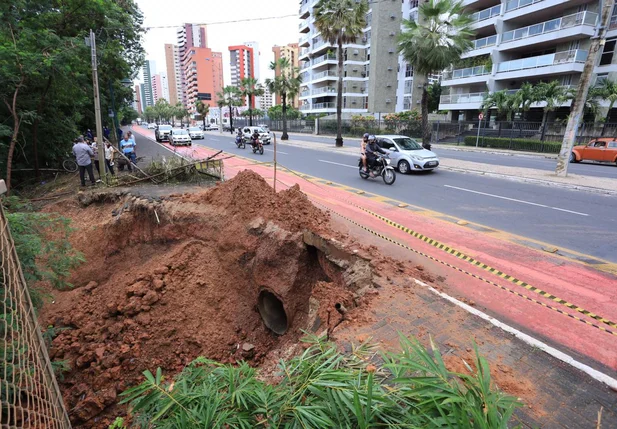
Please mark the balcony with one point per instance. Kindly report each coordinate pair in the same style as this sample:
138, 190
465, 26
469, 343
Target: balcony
482, 18
305, 40
305, 10
472, 97
563, 28
481, 46
324, 74
329, 105
324, 90
323, 58
304, 26
305, 93
466, 75
517, 4
574, 56
305, 107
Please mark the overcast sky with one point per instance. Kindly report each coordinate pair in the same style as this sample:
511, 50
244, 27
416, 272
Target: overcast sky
220, 36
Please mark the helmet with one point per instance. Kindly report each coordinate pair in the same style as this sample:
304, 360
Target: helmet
371, 138
365, 136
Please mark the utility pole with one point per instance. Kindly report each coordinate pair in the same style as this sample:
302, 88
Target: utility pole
97, 107
578, 104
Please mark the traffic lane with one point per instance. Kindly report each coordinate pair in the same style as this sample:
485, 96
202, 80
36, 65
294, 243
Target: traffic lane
507, 160
561, 217
585, 169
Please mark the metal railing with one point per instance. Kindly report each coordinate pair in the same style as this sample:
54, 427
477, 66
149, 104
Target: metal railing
324, 90
612, 23
517, 4
472, 97
327, 73
305, 93
329, 105
485, 14
581, 18
484, 42
574, 56
29, 393
466, 72
323, 58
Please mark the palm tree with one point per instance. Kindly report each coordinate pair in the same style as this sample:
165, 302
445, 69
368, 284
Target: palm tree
179, 111
229, 97
553, 94
505, 104
286, 84
439, 38
608, 91
203, 109
340, 22
525, 97
250, 88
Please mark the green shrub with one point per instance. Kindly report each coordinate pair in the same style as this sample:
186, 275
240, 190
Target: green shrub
514, 144
323, 388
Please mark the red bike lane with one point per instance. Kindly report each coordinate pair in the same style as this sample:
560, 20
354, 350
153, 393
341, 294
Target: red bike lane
556, 299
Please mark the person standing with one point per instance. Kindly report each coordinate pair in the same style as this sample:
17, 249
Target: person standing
89, 134
95, 157
106, 132
83, 155
109, 157
128, 148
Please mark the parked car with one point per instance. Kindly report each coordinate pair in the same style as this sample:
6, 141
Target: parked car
152, 126
196, 133
264, 136
179, 136
406, 154
265, 127
211, 127
600, 149
162, 133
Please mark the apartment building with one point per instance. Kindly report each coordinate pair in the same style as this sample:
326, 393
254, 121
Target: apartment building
289, 51
242, 64
266, 100
147, 96
369, 83
172, 66
137, 99
188, 36
157, 88
520, 41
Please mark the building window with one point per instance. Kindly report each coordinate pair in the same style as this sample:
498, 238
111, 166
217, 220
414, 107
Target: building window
601, 77
408, 86
408, 70
607, 53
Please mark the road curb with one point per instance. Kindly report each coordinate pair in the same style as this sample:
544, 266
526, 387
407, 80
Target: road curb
583, 188
494, 152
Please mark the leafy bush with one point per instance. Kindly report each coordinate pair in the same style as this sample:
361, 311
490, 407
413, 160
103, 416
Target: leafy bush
42, 245
323, 388
515, 144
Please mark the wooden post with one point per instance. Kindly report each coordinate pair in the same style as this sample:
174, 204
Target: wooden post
274, 137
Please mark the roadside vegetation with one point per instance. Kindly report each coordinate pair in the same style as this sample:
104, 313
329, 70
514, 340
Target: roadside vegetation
322, 388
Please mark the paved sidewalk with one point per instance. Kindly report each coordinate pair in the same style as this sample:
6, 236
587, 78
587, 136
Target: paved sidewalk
573, 181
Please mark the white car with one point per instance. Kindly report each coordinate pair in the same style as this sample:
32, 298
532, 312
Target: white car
196, 133
152, 126
264, 136
211, 127
406, 154
179, 136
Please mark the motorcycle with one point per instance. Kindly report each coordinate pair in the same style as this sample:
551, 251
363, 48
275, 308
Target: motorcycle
257, 146
240, 142
381, 167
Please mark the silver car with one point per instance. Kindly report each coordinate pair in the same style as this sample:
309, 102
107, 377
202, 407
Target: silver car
406, 154
179, 136
264, 136
196, 133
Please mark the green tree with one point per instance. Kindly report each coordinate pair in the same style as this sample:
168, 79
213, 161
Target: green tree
606, 90
434, 93
203, 109
286, 83
230, 98
433, 43
525, 97
45, 72
505, 104
250, 88
150, 114
255, 113
276, 113
553, 94
179, 111
340, 22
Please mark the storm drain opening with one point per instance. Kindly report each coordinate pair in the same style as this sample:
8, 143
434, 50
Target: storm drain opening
272, 312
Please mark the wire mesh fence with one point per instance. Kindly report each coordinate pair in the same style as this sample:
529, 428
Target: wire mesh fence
29, 393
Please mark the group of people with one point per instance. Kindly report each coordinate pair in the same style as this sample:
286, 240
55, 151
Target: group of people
369, 150
86, 152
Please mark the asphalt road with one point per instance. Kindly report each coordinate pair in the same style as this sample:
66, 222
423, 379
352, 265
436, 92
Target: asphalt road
583, 168
576, 220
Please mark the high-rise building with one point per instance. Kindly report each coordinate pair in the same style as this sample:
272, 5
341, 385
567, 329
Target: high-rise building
290, 52
519, 41
137, 97
147, 95
242, 65
217, 75
266, 100
189, 36
164, 86
370, 63
157, 88
172, 65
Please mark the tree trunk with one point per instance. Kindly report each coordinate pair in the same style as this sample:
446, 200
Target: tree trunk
339, 95
426, 132
16, 123
284, 136
578, 104
35, 129
250, 110
231, 120
543, 128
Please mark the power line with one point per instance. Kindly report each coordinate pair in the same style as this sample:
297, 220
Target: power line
225, 22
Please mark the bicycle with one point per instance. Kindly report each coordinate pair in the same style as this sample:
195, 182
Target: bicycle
69, 165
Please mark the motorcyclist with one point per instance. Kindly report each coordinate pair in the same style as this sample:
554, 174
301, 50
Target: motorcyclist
254, 138
363, 144
239, 136
372, 149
